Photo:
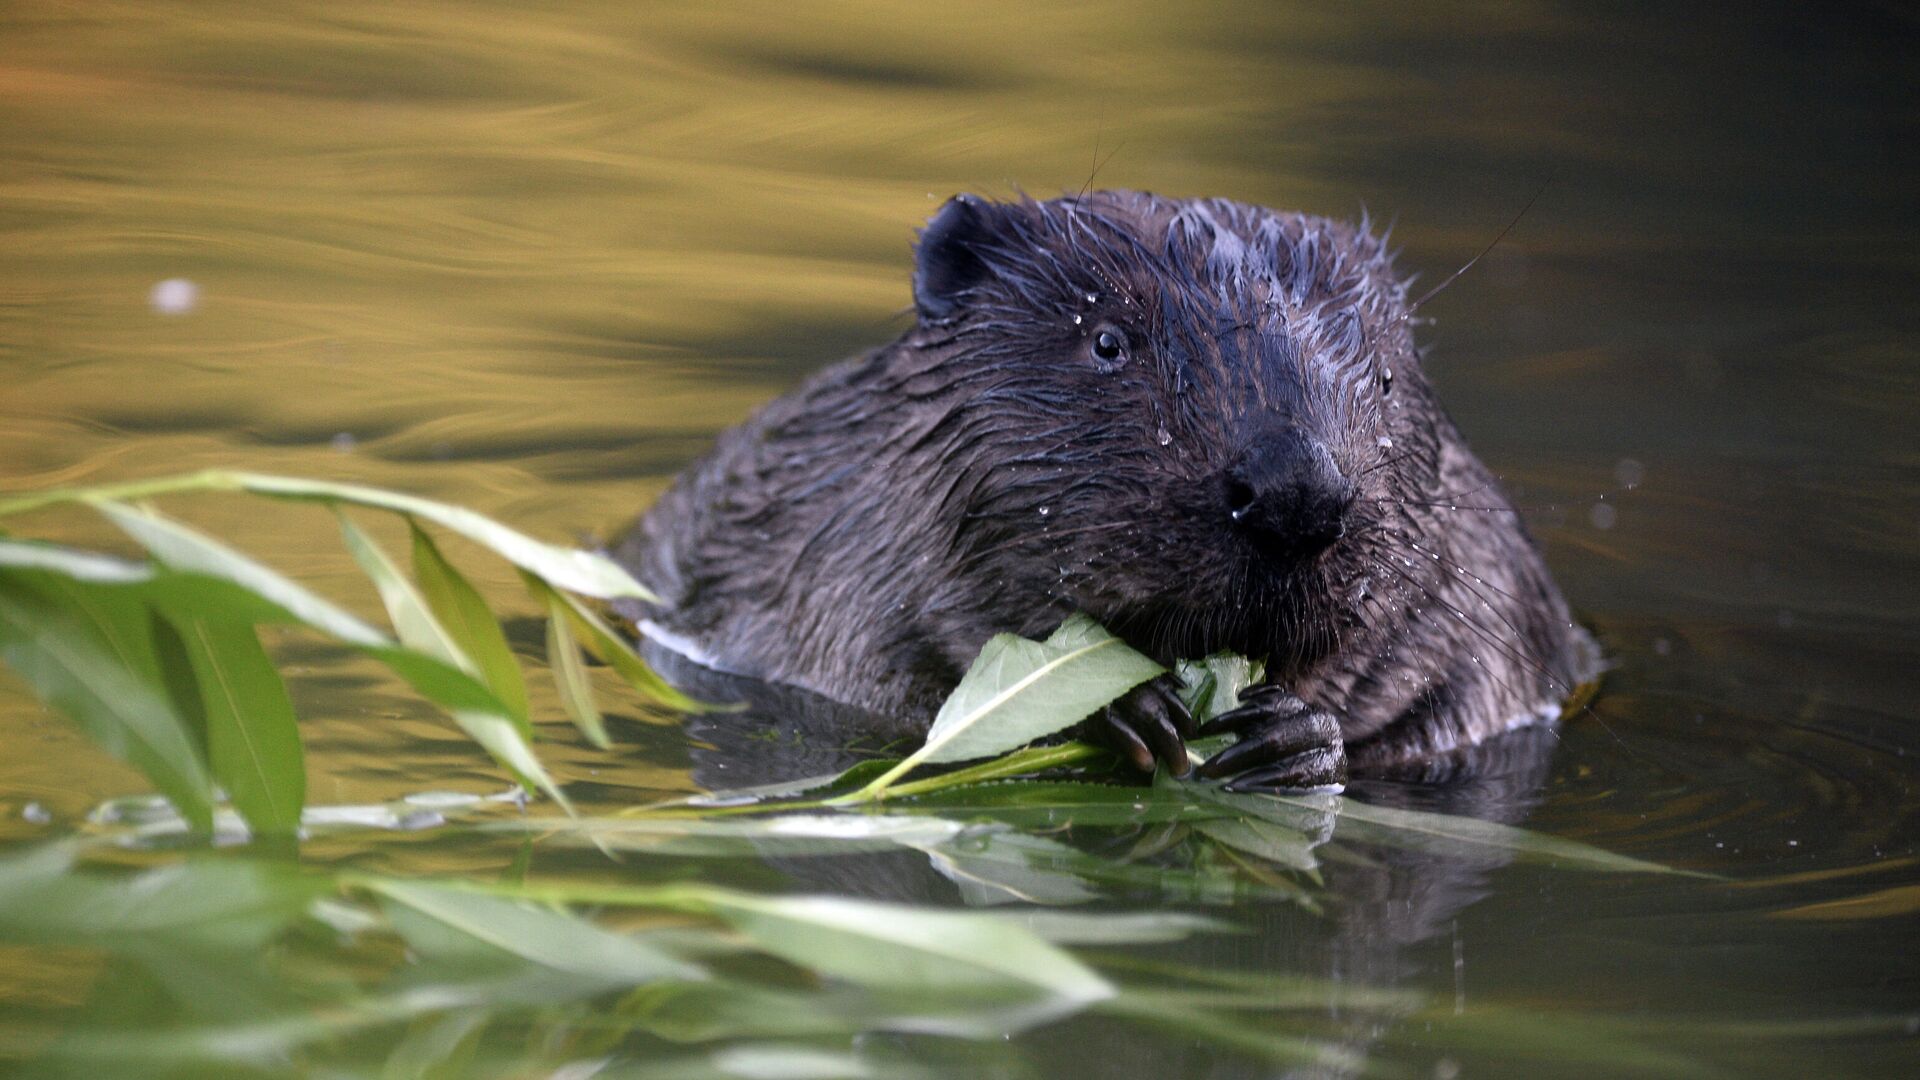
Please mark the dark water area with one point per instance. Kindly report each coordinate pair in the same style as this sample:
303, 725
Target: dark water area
531, 261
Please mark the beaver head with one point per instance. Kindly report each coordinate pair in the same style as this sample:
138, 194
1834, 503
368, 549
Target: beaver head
1194, 420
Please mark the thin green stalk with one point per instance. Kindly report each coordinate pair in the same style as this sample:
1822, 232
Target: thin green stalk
204, 480
1018, 763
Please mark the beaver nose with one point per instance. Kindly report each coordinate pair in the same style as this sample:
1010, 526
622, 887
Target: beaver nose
1287, 494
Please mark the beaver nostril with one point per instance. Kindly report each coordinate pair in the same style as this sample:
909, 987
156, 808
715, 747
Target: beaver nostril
1240, 498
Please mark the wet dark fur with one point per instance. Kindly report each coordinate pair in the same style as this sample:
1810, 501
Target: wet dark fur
863, 535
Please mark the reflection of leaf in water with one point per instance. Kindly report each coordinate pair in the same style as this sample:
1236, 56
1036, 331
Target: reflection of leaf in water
999, 868
1882, 904
1263, 840
1471, 837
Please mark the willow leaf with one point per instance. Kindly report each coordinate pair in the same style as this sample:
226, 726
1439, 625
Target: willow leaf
253, 737
570, 675
612, 649
412, 619
180, 548
1019, 690
115, 695
473, 706
569, 568
464, 614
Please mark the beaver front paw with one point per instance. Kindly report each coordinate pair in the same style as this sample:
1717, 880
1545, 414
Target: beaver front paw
1149, 723
1285, 745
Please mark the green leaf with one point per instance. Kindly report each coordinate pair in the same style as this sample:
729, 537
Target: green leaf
612, 649
580, 571
461, 611
1214, 685
88, 652
79, 565
544, 935
253, 737
504, 735
1019, 690
184, 549
570, 674
472, 705
412, 619
1046, 804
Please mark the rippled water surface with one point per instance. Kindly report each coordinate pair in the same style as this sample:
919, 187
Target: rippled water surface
531, 258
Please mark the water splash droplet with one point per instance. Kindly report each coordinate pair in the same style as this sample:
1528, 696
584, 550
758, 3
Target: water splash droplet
1164, 436
1045, 510
1077, 320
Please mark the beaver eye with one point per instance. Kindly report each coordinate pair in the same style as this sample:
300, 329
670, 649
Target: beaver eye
1110, 349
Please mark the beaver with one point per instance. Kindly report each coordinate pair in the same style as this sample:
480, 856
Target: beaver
1201, 422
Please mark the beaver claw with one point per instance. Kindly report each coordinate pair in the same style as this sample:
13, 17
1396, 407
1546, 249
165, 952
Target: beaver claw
1285, 744
1150, 723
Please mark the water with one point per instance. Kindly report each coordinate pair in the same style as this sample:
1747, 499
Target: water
531, 261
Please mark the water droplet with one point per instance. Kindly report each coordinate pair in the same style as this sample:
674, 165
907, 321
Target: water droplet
1045, 510
1093, 298
1385, 442
1602, 516
1076, 320
1164, 436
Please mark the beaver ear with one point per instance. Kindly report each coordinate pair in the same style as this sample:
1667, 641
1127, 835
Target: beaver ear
948, 261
